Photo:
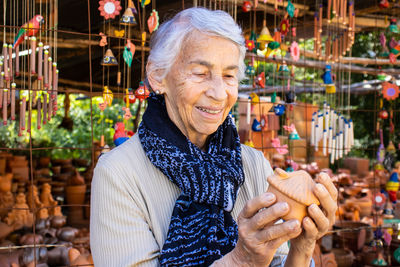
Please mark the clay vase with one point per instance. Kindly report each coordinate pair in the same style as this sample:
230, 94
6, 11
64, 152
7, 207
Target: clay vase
75, 194
30, 239
44, 162
295, 188
5, 182
78, 259
2, 165
343, 257
67, 233
58, 221
58, 256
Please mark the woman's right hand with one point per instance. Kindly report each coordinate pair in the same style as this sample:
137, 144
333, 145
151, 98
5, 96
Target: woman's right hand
259, 237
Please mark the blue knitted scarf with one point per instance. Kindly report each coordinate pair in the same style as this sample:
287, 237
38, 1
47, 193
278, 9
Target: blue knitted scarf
202, 229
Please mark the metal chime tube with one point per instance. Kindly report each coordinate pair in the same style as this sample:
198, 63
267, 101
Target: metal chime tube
328, 13
324, 137
337, 146
54, 79
39, 112
5, 107
17, 61
333, 151
334, 7
346, 139
330, 140
55, 91
5, 62
1, 98
33, 55
10, 60
316, 137
312, 141
13, 88
44, 108
315, 32
46, 69
119, 78
50, 108
40, 61
341, 144
345, 12
50, 74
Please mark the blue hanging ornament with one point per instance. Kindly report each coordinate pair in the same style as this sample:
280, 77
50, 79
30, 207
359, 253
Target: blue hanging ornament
256, 126
279, 109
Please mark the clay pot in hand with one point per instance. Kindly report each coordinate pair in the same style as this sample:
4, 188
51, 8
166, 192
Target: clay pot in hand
295, 188
77, 258
58, 256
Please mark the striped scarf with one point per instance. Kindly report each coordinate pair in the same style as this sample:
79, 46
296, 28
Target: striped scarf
202, 229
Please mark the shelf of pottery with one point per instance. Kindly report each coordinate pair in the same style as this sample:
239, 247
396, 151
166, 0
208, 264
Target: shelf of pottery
51, 212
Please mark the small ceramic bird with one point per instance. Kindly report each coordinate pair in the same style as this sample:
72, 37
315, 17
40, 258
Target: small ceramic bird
120, 135
30, 28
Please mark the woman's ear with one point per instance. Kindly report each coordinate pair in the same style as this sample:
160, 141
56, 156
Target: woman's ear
155, 79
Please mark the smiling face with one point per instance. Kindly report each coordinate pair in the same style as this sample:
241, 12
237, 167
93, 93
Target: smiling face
202, 85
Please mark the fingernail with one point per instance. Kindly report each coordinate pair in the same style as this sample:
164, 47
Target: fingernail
319, 188
284, 206
269, 197
313, 207
294, 225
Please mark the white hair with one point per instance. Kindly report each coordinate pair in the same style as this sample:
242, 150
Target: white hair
166, 43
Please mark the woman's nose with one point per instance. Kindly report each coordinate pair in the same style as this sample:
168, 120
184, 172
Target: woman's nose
216, 89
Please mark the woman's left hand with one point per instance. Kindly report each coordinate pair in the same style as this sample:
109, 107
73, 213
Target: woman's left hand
320, 220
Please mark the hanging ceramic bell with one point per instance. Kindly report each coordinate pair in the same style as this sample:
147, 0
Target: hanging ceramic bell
128, 18
256, 126
265, 37
109, 59
290, 97
142, 92
279, 109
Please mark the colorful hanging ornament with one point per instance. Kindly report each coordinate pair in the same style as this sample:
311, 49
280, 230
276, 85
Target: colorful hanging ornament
256, 126
384, 4
120, 135
379, 200
153, 21
290, 9
260, 80
128, 17
290, 96
119, 33
390, 91
130, 96
109, 8
272, 46
393, 26
381, 150
284, 26
279, 109
29, 29
250, 71
281, 149
265, 37
129, 51
107, 96
103, 41
295, 51
109, 59
142, 92
127, 113
250, 45
328, 81
144, 2
383, 114
246, 7
291, 129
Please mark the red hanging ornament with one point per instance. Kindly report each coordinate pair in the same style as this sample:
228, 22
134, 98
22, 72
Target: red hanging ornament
250, 45
260, 80
284, 26
246, 6
142, 92
109, 8
130, 97
383, 114
390, 91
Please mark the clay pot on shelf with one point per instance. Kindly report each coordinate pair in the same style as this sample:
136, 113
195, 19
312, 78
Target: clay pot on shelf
75, 194
295, 188
353, 240
44, 162
67, 233
2, 165
343, 257
56, 170
30, 239
5, 182
61, 162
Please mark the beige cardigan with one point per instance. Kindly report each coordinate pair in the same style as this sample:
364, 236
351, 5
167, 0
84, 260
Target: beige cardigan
132, 202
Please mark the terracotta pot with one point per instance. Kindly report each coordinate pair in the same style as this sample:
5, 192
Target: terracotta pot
56, 170
30, 239
44, 162
343, 257
295, 188
353, 240
58, 162
2, 166
58, 256
75, 194
67, 233
5, 182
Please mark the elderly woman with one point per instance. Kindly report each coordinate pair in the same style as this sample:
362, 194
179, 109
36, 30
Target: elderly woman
183, 191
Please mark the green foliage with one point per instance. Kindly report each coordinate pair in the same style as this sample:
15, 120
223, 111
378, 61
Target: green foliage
52, 135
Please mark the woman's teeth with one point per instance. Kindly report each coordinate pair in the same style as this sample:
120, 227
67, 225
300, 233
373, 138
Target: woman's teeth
209, 110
